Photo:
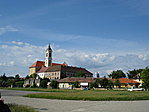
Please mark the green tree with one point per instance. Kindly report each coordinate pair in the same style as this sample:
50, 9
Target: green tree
80, 74
27, 77
97, 83
134, 72
77, 84
110, 84
17, 77
104, 82
117, 74
54, 84
34, 75
117, 83
145, 76
43, 83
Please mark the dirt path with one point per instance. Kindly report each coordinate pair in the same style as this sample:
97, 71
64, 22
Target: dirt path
47, 105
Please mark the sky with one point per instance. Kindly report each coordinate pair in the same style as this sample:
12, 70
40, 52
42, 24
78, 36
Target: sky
99, 35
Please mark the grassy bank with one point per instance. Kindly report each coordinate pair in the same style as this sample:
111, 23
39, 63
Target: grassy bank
20, 108
37, 89
94, 95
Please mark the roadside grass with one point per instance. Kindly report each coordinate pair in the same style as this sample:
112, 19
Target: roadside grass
20, 108
94, 95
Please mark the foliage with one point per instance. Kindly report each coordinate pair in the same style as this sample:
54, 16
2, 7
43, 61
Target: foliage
34, 85
117, 83
19, 84
134, 72
117, 74
54, 84
76, 84
27, 77
95, 84
34, 75
17, 77
145, 76
110, 84
80, 74
43, 83
104, 82
20, 108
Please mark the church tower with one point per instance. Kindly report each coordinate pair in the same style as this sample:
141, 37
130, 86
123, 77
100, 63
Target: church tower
48, 60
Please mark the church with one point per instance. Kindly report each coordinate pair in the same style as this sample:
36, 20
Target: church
55, 71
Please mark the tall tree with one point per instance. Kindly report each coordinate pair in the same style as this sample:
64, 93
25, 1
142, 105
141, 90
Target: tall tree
117, 74
145, 76
17, 77
77, 84
104, 82
117, 83
134, 72
54, 84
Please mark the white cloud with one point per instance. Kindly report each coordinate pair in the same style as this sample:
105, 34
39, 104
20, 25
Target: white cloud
7, 29
22, 55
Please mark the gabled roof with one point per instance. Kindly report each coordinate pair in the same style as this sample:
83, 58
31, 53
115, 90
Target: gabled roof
37, 64
126, 80
80, 79
60, 67
43, 69
56, 64
42, 63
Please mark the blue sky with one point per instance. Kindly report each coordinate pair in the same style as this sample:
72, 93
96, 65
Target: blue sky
100, 35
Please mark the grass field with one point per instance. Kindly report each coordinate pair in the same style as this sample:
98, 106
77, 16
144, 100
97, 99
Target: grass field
92, 95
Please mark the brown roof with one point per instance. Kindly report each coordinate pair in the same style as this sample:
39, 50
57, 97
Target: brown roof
42, 63
37, 64
67, 69
80, 79
126, 80
91, 80
43, 69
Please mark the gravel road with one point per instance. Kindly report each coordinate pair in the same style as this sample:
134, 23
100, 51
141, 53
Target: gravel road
47, 105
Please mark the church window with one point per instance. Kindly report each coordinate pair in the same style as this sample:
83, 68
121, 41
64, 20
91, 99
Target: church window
46, 54
49, 54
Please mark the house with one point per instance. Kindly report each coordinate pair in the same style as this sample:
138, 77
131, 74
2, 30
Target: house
68, 82
84, 82
55, 71
138, 78
126, 83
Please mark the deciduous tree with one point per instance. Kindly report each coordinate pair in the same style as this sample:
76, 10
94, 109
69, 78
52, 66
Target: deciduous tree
117, 74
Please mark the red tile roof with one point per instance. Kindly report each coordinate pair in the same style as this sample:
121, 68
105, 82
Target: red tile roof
41, 64
126, 80
80, 79
43, 69
37, 64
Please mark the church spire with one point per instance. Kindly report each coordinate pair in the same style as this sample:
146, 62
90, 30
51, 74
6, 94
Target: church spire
48, 60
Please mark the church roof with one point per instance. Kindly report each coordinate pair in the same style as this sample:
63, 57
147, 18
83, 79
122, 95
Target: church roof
43, 69
42, 63
37, 64
49, 48
67, 69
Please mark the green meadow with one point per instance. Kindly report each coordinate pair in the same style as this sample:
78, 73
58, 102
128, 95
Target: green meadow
91, 95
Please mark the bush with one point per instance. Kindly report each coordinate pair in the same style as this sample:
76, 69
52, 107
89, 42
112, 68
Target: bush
20, 108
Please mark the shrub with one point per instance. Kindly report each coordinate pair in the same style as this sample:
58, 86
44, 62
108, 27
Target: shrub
20, 108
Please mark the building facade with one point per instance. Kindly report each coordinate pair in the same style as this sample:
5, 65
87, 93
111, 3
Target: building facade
55, 71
